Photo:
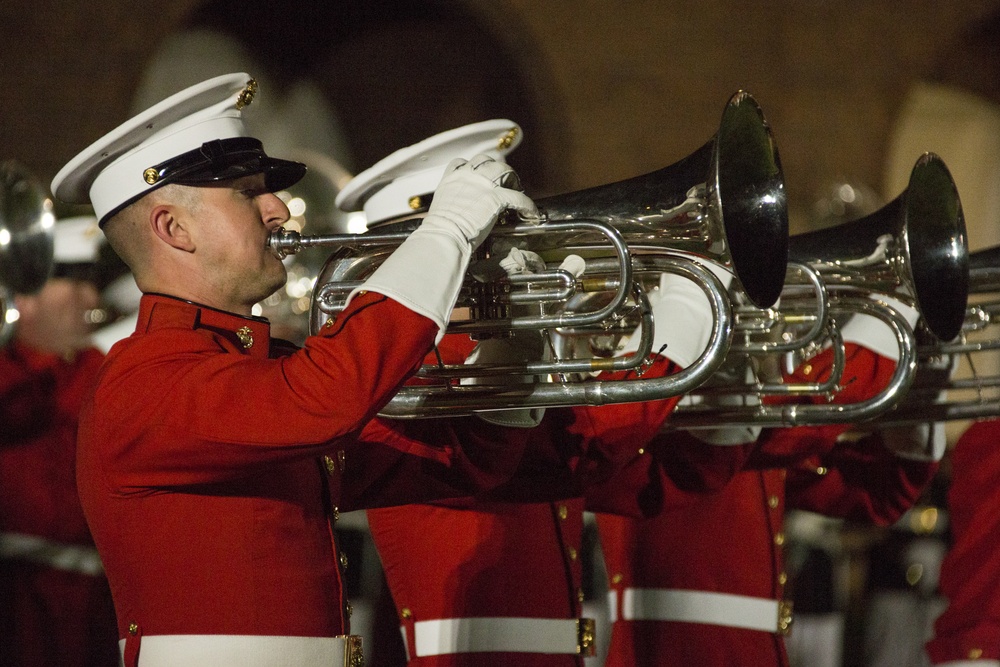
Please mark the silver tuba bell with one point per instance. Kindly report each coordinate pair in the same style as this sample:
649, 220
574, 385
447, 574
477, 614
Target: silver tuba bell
725, 202
26, 245
912, 249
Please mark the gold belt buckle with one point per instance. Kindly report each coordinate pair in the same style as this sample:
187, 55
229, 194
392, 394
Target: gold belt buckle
354, 656
585, 632
784, 617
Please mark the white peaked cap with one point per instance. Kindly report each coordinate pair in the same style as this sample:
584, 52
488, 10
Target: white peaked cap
76, 240
193, 137
399, 184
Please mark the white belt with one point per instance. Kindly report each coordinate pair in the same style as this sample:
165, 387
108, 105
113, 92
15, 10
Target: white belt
57, 555
248, 651
503, 635
735, 611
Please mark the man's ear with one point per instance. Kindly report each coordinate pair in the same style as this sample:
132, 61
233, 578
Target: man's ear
170, 227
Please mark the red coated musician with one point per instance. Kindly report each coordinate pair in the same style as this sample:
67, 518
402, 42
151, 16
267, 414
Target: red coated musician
56, 606
208, 451
704, 584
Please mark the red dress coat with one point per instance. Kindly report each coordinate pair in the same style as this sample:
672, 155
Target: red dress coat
969, 627
703, 583
56, 607
482, 582
210, 468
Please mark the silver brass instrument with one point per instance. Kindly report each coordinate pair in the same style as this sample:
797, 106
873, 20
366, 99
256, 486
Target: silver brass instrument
725, 202
26, 223
976, 396
913, 249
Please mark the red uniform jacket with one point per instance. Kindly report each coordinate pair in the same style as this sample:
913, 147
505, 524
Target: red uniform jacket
969, 628
209, 471
497, 583
56, 603
720, 556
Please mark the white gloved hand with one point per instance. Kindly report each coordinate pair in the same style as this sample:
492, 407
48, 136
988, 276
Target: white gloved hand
426, 271
522, 346
872, 333
682, 317
520, 261
922, 442
726, 436
471, 197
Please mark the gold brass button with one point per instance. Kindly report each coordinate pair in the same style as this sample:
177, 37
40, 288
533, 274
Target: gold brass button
336, 513
406, 613
586, 634
563, 512
349, 608
572, 553
343, 560
415, 203
779, 539
975, 653
773, 501
331, 467
783, 578
579, 594
133, 629
784, 617
617, 578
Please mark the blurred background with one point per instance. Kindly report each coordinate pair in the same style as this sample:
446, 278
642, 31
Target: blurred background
604, 90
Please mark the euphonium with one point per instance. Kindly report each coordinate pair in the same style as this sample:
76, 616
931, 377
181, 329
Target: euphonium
972, 394
26, 222
913, 249
725, 202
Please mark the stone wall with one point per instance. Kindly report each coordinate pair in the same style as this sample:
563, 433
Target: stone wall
621, 87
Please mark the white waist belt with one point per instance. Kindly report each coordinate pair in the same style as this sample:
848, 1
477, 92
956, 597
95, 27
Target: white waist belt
247, 651
57, 555
503, 635
736, 611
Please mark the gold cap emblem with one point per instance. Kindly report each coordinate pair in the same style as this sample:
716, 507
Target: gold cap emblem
151, 176
245, 334
246, 97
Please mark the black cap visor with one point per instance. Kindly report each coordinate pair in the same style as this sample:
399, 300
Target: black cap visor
217, 161
228, 159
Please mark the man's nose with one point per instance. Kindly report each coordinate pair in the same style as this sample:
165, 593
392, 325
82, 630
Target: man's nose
275, 212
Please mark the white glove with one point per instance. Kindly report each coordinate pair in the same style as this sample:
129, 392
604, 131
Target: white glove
520, 261
725, 436
872, 333
523, 346
923, 442
682, 317
426, 271
471, 197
